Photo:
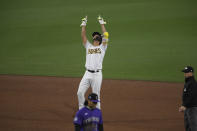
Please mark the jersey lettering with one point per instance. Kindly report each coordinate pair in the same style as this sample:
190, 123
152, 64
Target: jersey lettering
88, 119
91, 119
94, 51
94, 56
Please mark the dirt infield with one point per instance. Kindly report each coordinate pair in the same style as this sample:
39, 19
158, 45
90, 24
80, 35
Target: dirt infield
30, 103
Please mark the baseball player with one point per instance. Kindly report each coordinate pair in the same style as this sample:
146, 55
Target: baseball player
94, 58
89, 118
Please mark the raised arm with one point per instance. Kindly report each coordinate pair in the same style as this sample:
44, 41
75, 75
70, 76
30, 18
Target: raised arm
105, 33
83, 30
103, 28
83, 34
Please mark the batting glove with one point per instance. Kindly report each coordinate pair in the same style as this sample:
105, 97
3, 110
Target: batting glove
101, 21
84, 21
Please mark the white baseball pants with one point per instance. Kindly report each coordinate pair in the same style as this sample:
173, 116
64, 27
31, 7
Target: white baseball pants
93, 80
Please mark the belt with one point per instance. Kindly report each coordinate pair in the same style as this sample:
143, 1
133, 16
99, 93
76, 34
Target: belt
93, 71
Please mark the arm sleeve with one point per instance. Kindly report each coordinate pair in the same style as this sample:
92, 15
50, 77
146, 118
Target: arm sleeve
100, 124
77, 127
78, 119
101, 119
100, 127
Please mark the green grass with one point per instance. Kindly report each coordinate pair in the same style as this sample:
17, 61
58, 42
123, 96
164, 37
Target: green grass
149, 40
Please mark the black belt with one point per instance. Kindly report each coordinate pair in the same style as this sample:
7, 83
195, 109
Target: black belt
93, 71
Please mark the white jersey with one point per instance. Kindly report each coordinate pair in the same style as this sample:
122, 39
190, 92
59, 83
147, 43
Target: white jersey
94, 56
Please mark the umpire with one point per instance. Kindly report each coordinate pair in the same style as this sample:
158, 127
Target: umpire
189, 100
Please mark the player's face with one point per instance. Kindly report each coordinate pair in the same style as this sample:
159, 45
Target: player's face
91, 104
95, 42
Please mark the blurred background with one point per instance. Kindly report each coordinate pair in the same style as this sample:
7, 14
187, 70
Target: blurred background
149, 40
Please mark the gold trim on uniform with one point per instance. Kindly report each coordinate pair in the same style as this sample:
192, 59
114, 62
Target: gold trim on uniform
94, 51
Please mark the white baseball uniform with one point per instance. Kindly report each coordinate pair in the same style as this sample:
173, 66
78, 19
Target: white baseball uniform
94, 61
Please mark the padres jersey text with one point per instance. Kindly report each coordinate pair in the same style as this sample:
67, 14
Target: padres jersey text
94, 56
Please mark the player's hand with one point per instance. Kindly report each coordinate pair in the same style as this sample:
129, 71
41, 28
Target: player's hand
101, 21
182, 109
84, 21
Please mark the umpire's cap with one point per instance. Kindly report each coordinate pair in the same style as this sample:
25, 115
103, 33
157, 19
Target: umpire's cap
188, 69
93, 97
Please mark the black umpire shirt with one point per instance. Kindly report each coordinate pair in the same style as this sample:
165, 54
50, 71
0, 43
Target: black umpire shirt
189, 97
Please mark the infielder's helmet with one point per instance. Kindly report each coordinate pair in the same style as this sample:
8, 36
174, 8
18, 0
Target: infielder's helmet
98, 38
93, 97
